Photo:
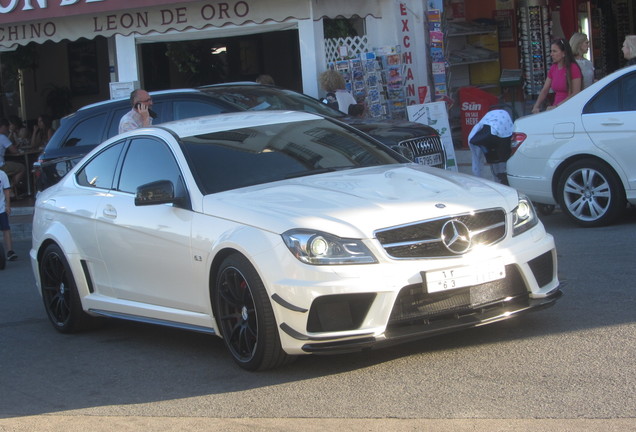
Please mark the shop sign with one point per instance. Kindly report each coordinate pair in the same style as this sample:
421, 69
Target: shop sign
13, 11
154, 19
412, 41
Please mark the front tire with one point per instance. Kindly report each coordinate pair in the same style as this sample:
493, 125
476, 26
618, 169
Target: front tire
245, 316
590, 193
59, 292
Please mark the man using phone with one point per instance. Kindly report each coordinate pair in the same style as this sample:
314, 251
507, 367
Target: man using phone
140, 115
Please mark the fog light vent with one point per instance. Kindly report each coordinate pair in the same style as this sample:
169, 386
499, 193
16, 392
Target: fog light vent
339, 312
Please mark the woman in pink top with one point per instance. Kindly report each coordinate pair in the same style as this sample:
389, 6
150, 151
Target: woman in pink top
564, 76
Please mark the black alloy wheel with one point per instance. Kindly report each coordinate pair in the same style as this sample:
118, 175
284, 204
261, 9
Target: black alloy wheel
245, 316
59, 292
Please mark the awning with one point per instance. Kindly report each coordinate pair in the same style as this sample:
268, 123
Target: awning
91, 18
346, 8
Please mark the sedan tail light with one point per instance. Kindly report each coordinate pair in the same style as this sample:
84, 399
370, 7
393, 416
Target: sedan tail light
517, 139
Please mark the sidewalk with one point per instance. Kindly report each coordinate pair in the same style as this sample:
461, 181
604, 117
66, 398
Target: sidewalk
21, 220
22, 211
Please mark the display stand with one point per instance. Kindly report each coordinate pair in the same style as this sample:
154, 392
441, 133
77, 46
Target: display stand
376, 79
535, 29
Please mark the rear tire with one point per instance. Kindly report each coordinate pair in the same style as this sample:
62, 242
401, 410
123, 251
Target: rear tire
590, 193
245, 317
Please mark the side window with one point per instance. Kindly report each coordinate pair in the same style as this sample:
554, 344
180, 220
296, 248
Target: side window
87, 132
147, 160
100, 170
615, 97
629, 90
607, 100
186, 109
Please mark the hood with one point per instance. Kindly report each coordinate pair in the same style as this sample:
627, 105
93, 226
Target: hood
357, 202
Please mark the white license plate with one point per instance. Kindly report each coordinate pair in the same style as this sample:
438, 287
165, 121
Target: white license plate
434, 159
459, 277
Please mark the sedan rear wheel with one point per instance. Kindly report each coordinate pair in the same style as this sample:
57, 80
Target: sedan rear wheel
245, 316
59, 292
590, 193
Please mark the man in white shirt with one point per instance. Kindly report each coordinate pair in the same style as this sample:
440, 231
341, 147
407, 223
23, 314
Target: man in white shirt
140, 115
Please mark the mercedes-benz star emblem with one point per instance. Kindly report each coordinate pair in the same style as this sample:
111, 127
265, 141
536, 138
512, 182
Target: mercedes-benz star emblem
456, 236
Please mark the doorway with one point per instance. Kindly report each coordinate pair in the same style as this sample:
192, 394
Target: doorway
192, 63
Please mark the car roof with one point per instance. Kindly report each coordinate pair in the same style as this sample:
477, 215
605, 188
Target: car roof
230, 121
127, 99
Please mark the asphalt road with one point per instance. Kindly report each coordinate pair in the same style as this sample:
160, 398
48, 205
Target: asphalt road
566, 368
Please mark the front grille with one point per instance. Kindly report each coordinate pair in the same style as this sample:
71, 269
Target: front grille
425, 146
424, 239
415, 304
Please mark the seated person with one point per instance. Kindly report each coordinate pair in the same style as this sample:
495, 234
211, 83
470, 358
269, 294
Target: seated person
15, 170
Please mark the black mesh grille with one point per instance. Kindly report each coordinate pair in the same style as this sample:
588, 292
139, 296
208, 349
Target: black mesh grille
339, 312
424, 146
543, 268
414, 303
423, 239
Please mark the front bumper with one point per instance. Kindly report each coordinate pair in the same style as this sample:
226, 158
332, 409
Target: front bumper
486, 314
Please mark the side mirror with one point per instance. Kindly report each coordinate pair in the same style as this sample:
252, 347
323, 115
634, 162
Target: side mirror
158, 192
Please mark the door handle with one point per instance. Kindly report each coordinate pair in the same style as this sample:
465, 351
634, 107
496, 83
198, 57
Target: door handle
109, 212
613, 123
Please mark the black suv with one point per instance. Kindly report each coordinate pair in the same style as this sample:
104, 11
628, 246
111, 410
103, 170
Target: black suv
81, 131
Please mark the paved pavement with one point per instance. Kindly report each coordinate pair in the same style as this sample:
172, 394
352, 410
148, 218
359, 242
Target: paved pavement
21, 228
81, 423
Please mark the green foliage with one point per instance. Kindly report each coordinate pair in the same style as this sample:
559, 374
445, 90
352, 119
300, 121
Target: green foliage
24, 57
194, 59
338, 28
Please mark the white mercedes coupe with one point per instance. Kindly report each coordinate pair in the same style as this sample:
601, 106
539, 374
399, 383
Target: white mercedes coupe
284, 233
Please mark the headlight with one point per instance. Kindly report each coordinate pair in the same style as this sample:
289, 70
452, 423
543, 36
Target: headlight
523, 216
319, 248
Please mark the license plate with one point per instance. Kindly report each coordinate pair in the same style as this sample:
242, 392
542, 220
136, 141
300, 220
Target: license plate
459, 277
434, 159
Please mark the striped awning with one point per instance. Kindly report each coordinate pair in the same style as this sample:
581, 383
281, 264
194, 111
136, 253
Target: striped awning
26, 21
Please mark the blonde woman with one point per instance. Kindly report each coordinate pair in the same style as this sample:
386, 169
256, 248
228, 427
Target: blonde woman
580, 45
629, 49
335, 86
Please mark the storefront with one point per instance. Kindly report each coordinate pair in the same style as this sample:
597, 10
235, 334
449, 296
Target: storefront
74, 52
86, 46
500, 49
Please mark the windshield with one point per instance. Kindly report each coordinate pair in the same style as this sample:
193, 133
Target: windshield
256, 97
244, 157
